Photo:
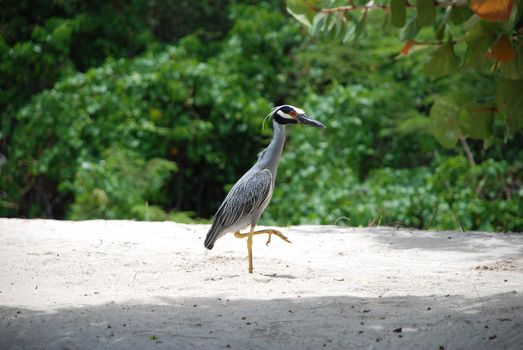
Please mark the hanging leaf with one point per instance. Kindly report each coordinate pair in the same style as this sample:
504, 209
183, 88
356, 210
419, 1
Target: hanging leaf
514, 68
478, 40
398, 12
331, 22
510, 103
407, 47
501, 50
492, 10
318, 23
361, 27
443, 122
441, 24
442, 61
303, 10
426, 12
471, 22
357, 31
338, 28
460, 14
349, 33
476, 120
410, 30
333, 26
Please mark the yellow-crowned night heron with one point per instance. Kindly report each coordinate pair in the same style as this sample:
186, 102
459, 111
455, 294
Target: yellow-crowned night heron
250, 196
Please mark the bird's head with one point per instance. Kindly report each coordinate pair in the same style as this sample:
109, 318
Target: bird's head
287, 114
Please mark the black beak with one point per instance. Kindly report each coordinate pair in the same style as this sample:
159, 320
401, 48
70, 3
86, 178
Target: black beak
304, 119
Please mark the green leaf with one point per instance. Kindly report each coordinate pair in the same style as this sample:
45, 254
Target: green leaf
471, 22
441, 24
361, 27
442, 61
478, 40
510, 103
385, 23
460, 14
302, 10
331, 22
426, 12
318, 23
518, 18
338, 28
514, 68
332, 27
476, 120
410, 31
444, 125
349, 34
398, 12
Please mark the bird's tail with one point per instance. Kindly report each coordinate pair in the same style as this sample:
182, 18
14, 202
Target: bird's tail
212, 236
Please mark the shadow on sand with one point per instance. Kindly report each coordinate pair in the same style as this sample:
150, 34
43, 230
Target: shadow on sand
407, 322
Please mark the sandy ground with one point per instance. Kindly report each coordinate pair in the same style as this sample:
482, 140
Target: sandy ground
135, 285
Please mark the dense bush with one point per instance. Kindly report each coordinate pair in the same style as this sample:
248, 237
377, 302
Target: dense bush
351, 174
182, 104
164, 134
483, 36
120, 185
44, 41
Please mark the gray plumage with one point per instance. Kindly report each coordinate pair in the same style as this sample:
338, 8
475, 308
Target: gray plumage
250, 196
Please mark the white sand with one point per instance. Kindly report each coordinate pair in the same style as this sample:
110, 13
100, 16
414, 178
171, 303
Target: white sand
135, 285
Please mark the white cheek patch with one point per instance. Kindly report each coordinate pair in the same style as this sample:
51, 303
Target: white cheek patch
284, 115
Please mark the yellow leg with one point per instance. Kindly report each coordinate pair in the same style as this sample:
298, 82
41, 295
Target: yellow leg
270, 232
249, 248
251, 233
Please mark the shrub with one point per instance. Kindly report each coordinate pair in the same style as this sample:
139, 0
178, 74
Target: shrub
182, 104
120, 186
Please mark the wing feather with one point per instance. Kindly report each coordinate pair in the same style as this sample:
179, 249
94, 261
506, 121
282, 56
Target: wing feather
246, 196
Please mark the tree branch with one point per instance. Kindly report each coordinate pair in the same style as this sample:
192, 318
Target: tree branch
466, 147
371, 5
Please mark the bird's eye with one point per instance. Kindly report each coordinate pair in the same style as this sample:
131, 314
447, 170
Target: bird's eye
293, 113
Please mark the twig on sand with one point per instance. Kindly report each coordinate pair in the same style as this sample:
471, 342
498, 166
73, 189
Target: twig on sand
433, 215
485, 313
456, 217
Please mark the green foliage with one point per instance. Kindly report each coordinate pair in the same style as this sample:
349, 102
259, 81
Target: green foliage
320, 169
319, 181
453, 196
444, 124
485, 36
508, 96
152, 110
398, 12
426, 12
442, 61
302, 10
374, 164
180, 104
43, 42
476, 120
119, 186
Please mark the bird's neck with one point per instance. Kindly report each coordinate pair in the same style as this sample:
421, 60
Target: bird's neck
270, 157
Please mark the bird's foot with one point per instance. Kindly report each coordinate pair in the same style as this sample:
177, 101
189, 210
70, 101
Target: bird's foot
270, 232
274, 232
